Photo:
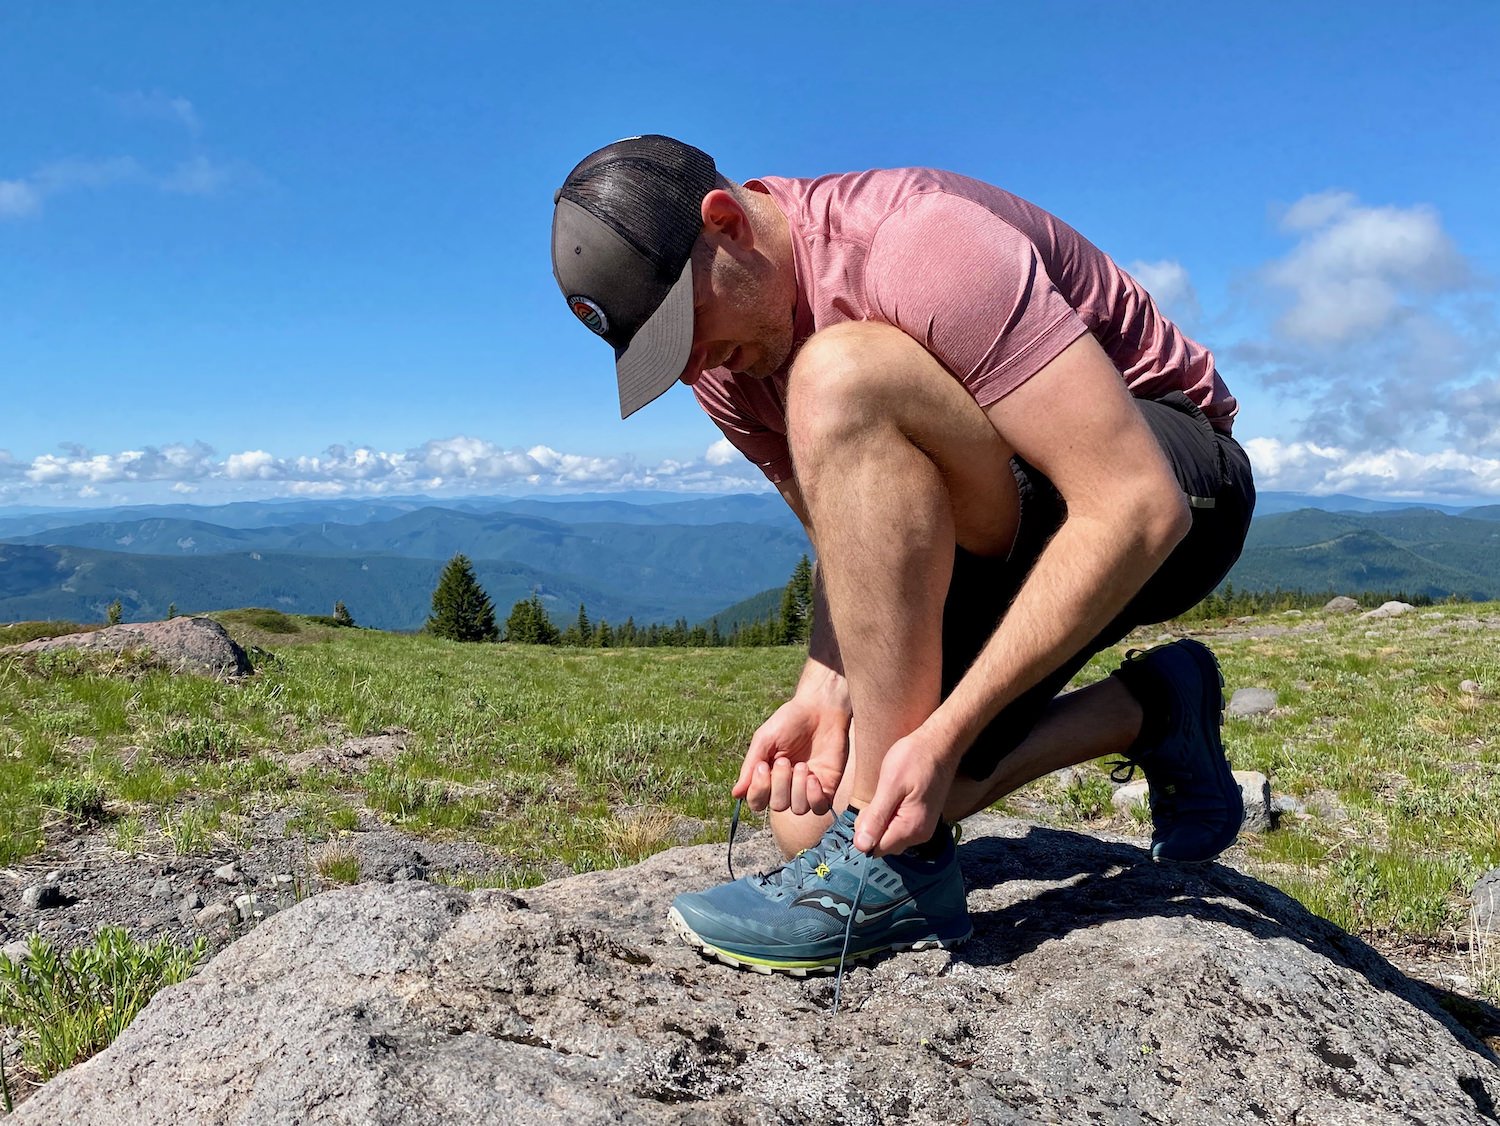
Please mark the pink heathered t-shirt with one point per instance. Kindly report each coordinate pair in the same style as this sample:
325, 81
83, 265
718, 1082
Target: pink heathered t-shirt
994, 287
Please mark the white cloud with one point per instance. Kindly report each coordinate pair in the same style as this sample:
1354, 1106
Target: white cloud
73, 174
198, 175
157, 106
458, 463
1382, 334
1356, 268
1169, 285
18, 198
202, 176
721, 452
1393, 472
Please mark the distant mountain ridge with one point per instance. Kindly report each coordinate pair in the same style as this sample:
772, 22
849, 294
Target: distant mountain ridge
654, 562
694, 558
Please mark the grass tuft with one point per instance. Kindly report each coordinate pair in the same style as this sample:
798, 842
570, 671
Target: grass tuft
66, 1008
337, 862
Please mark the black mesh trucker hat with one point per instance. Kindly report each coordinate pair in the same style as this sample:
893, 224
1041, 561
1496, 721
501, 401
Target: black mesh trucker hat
623, 229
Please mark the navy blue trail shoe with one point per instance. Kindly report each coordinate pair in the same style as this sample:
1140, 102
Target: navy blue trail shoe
1196, 807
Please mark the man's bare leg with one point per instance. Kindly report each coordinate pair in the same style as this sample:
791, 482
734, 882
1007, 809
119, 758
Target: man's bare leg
897, 464
1102, 719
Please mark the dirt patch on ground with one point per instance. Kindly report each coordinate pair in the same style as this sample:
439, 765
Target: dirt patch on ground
353, 754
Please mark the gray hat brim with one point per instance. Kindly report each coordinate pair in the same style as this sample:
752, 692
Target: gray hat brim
660, 348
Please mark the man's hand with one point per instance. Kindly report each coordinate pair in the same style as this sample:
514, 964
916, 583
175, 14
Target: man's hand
797, 757
915, 777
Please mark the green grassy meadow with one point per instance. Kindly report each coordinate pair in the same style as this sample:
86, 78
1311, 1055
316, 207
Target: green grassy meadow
580, 759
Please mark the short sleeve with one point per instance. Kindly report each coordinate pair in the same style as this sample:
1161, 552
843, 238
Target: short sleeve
752, 418
972, 289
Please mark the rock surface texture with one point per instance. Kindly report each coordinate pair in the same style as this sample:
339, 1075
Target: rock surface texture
1097, 988
196, 645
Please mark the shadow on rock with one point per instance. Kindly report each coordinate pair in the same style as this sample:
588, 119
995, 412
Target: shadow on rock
1105, 881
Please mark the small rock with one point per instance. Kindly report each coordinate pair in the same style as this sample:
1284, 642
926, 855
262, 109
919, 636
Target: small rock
1067, 776
39, 897
408, 872
228, 873
245, 905
1485, 914
1432, 615
162, 889
16, 952
192, 900
1340, 605
1251, 702
1255, 789
213, 915
54, 876
1284, 805
1469, 687
1291, 613
1389, 610
1130, 795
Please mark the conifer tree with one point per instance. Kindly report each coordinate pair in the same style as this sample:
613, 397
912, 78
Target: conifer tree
114, 613
796, 604
461, 610
528, 623
341, 615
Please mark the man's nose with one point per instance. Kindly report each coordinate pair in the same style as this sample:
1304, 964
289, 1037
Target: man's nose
694, 367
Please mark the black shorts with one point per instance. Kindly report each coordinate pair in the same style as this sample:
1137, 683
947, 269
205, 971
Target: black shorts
1215, 474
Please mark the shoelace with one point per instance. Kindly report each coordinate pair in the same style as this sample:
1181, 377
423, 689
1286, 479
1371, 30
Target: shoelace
734, 823
838, 977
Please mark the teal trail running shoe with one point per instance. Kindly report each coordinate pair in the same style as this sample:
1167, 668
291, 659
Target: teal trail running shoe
793, 920
1196, 807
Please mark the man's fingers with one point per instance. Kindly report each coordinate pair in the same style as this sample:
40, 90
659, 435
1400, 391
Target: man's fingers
758, 789
819, 800
759, 752
800, 775
871, 824
781, 784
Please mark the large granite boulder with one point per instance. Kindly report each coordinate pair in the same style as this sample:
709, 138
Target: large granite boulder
195, 645
1098, 988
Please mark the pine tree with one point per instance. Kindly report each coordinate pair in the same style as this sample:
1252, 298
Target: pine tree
115, 612
171, 610
796, 604
461, 611
341, 615
585, 629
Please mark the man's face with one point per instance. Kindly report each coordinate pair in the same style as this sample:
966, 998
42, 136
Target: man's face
742, 319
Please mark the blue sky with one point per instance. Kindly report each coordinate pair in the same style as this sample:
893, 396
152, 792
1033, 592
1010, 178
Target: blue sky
291, 249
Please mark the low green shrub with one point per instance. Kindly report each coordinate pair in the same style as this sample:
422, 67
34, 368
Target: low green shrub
80, 797
66, 1008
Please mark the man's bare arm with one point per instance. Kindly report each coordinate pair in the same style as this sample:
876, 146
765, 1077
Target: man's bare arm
1126, 512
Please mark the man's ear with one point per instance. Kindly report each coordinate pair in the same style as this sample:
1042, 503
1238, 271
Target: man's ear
725, 218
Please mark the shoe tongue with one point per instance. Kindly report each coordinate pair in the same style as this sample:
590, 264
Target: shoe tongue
839, 835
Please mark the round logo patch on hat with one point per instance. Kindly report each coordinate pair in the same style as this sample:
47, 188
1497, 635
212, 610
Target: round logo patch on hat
589, 313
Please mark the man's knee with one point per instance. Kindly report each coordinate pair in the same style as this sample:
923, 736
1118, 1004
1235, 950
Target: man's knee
845, 377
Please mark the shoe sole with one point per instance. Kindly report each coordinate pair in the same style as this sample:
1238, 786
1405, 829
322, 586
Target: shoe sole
801, 968
1204, 658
